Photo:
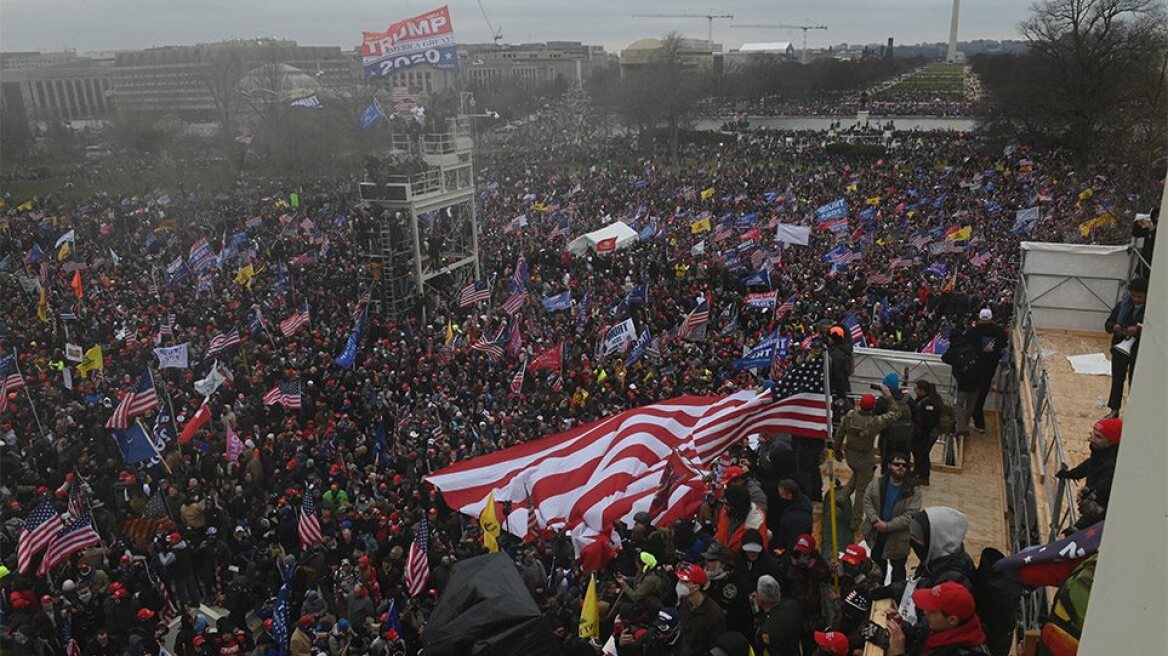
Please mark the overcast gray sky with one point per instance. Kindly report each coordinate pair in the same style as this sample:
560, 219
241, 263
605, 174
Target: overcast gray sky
94, 25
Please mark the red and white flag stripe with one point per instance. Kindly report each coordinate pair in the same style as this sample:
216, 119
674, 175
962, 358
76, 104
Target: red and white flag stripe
610, 469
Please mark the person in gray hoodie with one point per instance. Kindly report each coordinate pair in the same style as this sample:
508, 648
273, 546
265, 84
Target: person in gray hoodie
937, 537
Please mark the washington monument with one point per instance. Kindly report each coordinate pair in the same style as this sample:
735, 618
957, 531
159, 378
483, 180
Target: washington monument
951, 56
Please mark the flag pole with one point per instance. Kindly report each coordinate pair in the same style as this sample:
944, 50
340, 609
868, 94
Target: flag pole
830, 458
28, 395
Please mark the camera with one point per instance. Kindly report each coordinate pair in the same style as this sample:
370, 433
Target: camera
875, 386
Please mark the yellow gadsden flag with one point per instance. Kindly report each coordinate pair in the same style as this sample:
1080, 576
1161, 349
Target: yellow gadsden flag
590, 612
245, 274
707, 193
490, 524
93, 360
700, 226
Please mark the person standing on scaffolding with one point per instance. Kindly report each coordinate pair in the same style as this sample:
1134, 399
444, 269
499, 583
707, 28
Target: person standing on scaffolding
1125, 323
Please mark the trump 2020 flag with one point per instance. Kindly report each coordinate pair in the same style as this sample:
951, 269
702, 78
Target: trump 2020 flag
348, 356
618, 336
561, 301
173, 357
308, 102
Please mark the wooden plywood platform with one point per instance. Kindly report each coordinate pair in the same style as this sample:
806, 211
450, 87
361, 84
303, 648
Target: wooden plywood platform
1079, 399
977, 489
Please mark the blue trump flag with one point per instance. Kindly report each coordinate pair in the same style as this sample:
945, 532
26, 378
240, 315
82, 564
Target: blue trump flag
562, 301
836, 209
134, 444
639, 347
760, 356
372, 115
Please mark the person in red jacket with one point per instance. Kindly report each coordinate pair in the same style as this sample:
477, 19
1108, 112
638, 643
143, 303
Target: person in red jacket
738, 514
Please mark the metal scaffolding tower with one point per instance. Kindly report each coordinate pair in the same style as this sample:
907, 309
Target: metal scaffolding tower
421, 244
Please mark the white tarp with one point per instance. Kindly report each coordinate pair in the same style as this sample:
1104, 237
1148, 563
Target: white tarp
619, 229
1073, 286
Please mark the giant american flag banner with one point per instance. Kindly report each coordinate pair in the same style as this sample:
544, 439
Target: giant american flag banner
610, 469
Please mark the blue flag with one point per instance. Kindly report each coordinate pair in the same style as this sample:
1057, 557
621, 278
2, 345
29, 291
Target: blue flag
639, 347
562, 301
759, 278
282, 613
648, 232
760, 356
836, 209
134, 444
583, 309
348, 355
380, 450
639, 295
884, 311
371, 115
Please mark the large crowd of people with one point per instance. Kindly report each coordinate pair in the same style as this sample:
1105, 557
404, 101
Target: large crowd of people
211, 520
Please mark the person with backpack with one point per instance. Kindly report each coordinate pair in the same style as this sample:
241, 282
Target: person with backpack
934, 418
962, 358
990, 340
856, 439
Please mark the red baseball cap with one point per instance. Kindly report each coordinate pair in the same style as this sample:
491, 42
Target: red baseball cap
833, 641
692, 574
855, 555
867, 402
805, 544
949, 598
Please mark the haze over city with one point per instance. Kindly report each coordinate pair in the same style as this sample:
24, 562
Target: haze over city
132, 24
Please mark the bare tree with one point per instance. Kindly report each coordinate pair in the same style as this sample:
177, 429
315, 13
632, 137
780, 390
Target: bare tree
672, 88
1093, 54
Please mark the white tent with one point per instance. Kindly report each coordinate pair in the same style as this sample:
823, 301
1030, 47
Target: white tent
619, 229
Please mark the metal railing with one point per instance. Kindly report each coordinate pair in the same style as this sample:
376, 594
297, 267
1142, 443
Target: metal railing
1042, 435
1031, 440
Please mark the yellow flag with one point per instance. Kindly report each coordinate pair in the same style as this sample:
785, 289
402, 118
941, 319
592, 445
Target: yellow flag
63, 254
700, 226
873, 201
43, 306
852, 186
707, 194
245, 274
590, 612
93, 360
1086, 193
1090, 225
490, 524
26, 206
449, 332
962, 234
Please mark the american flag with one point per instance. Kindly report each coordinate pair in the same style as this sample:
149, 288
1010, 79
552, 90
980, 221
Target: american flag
628, 445
287, 394
854, 329
919, 241
304, 259
653, 350
560, 230
418, 560
166, 325
532, 516
254, 222
289, 326
307, 225
309, 524
519, 277
78, 503
695, 320
477, 291
141, 398
981, 259
76, 535
515, 340
723, 232
785, 307
67, 640
758, 258
10, 378
900, 263
517, 379
514, 302
492, 347
39, 527
222, 341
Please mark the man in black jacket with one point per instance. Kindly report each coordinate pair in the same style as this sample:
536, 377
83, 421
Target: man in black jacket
1125, 323
1098, 469
990, 340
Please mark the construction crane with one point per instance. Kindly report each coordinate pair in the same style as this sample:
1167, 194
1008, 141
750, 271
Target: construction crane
496, 35
803, 54
709, 20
